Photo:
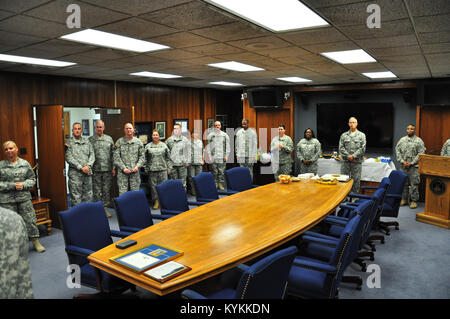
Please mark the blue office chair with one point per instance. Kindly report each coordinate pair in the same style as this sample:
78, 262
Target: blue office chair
172, 197
238, 179
205, 188
86, 229
312, 277
393, 198
265, 279
134, 213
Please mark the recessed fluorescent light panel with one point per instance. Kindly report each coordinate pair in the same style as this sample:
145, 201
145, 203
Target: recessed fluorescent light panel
350, 56
36, 61
235, 66
380, 75
294, 79
224, 83
156, 75
115, 41
275, 15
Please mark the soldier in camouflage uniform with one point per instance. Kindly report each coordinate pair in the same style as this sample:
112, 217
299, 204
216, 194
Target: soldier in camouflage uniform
158, 164
197, 159
218, 149
179, 154
80, 157
408, 150
129, 157
308, 152
446, 149
246, 145
281, 148
16, 180
15, 274
102, 171
352, 147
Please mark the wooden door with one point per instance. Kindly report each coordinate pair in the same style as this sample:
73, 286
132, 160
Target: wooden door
51, 158
114, 120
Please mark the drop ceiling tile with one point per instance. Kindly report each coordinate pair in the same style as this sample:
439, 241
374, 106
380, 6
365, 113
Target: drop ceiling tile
434, 37
432, 23
175, 54
387, 29
20, 6
182, 40
136, 7
315, 36
33, 27
232, 31
388, 42
291, 51
18, 40
189, 16
260, 43
436, 48
426, 8
383, 52
331, 47
136, 28
5, 14
214, 49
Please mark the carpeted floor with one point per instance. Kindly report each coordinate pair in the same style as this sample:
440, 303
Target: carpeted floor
413, 264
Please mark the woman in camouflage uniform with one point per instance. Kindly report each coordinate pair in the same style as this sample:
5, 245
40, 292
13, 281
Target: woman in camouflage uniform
308, 152
158, 164
16, 180
281, 148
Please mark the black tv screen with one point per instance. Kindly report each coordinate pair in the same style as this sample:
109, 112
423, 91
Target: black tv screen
265, 97
374, 119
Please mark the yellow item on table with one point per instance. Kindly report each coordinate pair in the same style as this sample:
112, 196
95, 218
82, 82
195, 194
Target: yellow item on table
285, 179
327, 181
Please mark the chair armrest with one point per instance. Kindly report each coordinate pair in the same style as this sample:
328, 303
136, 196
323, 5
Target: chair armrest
369, 187
127, 229
191, 294
230, 192
75, 250
360, 196
242, 267
314, 265
347, 205
196, 203
316, 238
341, 221
161, 216
205, 200
120, 234
254, 186
170, 212
397, 196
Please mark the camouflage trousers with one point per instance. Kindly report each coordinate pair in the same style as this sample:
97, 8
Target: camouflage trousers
218, 171
354, 171
128, 182
281, 169
308, 168
245, 162
411, 189
26, 211
179, 172
80, 187
156, 178
101, 187
194, 170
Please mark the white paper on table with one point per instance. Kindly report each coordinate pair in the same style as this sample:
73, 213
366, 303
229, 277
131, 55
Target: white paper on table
165, 270
341, 178
139, 260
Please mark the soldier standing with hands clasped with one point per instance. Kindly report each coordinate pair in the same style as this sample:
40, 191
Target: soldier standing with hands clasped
408, 149
80, 157
129, 156
352, 146
102, 170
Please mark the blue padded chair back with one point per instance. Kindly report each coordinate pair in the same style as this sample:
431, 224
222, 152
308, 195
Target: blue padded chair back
392, 205
133, 210
172, 195
377, 198
86, 225
267, 278
238, 179
205, 187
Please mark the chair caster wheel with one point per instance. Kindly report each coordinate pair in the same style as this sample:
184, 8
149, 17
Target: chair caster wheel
397, 228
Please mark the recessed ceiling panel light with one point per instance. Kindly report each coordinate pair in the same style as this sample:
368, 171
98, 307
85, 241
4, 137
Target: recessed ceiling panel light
156, 75
294, 79
350, 56
235, 66
380, 75
115, 41
225, 83
36, 61
277, 16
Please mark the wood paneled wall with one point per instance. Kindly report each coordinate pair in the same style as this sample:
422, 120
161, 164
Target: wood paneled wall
18, 92
433, 127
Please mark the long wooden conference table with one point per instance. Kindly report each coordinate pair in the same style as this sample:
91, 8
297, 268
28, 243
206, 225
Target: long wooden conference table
220, 235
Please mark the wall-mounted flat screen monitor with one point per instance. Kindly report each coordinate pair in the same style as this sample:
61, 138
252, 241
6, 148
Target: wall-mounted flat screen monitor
376, 120
265, 97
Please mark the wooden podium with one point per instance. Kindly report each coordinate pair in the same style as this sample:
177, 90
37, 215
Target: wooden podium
437, 195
